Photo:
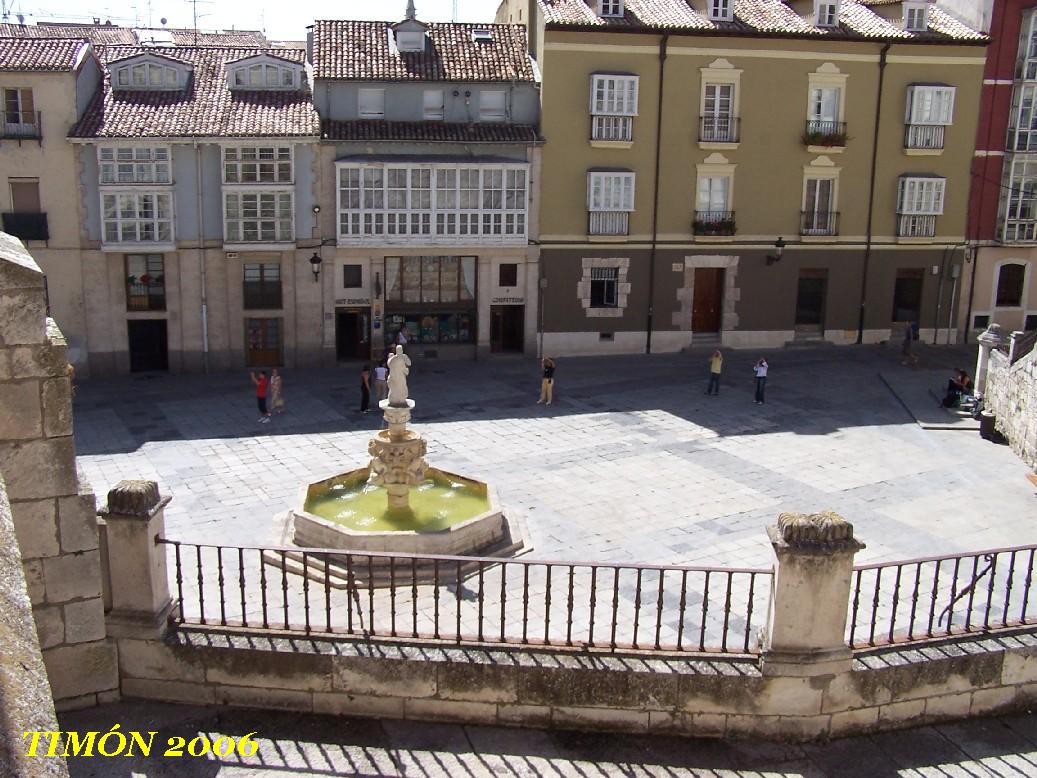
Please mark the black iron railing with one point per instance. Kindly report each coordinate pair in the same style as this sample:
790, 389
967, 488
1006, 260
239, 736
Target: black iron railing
718, 129
713, 223
471, 599
819, 223
27, 226
145, 297
824, 133
921, 599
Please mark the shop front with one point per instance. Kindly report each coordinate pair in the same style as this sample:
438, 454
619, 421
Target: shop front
432, 300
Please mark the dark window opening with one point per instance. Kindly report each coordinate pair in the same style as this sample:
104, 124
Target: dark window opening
352, 276
145, 282
508, 274
980, 322
604, 287
262, 287
1010, 286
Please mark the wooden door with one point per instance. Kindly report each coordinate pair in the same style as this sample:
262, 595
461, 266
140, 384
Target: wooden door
707, 299
263, 342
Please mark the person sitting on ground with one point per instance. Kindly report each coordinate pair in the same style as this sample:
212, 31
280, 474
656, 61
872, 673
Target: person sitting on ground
957, 386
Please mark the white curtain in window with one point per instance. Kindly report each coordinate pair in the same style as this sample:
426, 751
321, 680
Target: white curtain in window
712, 194
468, 275
824, 104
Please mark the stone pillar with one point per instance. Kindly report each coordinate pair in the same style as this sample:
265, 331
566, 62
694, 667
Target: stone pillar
136, 563
806, 629
988, 341
484, 285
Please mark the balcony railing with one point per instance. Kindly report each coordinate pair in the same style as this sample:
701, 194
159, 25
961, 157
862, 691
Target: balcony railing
145, 297
819, 223
923, 136
27, 226
608, 223
619, 128
913, 225
718, 129
22, 124
714, 223
824, 133
1018, 230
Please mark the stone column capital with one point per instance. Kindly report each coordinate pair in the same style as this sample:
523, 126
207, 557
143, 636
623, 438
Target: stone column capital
134, 499
813, 534
991, 336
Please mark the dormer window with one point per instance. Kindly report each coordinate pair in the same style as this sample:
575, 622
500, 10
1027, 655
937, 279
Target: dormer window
146, 75
263, 72
826, 13
916, 17
410, 41
482, 36
610, 8
720, 10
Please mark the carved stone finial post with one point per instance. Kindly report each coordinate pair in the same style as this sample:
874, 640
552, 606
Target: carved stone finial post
810, 595
988, 341
134, 519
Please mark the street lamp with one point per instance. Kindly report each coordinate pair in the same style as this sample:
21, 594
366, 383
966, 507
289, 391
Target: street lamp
315, 263
779, 247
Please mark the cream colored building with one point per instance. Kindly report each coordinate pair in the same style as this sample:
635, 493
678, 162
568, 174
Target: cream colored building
751, 174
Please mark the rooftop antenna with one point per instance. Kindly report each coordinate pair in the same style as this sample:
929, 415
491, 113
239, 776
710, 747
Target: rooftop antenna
454, 17
411, 13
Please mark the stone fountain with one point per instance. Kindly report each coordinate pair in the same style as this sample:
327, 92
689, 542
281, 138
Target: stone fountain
398, 503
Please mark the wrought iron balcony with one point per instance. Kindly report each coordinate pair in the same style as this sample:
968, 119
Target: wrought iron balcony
22, 125
714, 223
608, 223
916, 225
150, 296
718, 129
923, 136
619, 128
819, 223
27, 226
824, 133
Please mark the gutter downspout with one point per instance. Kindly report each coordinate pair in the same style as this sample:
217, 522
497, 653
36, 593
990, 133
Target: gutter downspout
939, 295
201, 255
655, 195
871, 194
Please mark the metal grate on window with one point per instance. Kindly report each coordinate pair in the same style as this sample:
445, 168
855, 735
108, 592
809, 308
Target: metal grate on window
604, 274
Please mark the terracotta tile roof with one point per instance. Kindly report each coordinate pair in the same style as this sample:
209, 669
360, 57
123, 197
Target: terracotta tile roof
361, 51
205, 108
227, 38
110, 35
755, 17
40, 54
431, 132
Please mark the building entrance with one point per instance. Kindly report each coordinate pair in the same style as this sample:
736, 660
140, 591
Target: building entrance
507, 324
707, 304
907, 295
352, 334
149, 348
810, 302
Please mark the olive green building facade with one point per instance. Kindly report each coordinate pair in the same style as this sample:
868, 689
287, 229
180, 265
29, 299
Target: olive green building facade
750, 181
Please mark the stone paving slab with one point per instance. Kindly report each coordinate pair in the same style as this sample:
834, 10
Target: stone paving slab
921, 391
299, 746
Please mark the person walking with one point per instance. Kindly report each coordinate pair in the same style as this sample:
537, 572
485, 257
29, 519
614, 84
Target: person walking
365, 388
716, 366
276, 392
910, 336
381, 385
261, 385
547, 383
760, 370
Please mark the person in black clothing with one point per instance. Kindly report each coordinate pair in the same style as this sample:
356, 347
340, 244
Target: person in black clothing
957, 386
547, 384
365, 388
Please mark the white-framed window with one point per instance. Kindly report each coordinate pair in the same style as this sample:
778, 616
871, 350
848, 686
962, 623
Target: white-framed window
137, 217
713, 195
824, 104
1021, 206
371, 103
604, 287
819, 216
1024, 119
608, 191
718, 124
492, 105
720, 10
916, 17
826, 13
1026, 67
433, 107
146, 75
257, 164
930, 104
611, 8
410, 40
445, 202
257, 216
20, 119
134, 164
263, 75
613, 106
919, 202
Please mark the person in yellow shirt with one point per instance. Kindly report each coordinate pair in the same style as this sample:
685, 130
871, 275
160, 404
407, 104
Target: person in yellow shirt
716, 367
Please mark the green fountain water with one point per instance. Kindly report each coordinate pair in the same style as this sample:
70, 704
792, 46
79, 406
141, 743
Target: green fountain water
438, 503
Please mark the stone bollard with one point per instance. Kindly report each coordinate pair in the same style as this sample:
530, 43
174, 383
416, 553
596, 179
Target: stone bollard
806, 628
988, 341
136, 563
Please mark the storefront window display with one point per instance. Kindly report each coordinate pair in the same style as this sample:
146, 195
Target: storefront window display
431, 298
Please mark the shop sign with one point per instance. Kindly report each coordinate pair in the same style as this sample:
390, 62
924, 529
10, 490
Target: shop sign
507, 300
353, 301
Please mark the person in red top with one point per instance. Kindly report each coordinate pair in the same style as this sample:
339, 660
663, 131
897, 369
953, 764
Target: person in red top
261, 386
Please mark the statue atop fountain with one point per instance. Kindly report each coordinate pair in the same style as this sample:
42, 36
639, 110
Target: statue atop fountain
398, 454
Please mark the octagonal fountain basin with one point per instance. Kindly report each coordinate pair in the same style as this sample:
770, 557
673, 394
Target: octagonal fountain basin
448, 514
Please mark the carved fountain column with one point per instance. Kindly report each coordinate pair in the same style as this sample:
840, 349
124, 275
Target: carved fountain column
398, 455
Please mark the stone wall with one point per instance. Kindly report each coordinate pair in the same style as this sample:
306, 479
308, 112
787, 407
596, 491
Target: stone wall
25, 703
54, 513
698, 696
1011, 394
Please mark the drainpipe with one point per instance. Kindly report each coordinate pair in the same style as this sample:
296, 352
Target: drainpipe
201, 254
655, 194
871, 194
939, 295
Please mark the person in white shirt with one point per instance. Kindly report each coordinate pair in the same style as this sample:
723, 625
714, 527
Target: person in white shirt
760, 369
381, 386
